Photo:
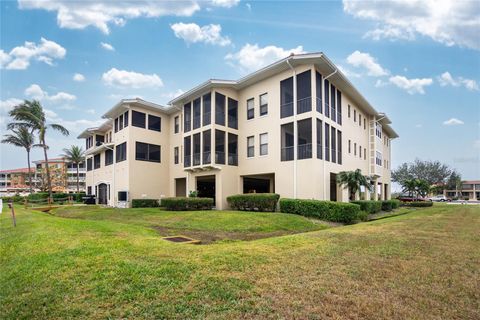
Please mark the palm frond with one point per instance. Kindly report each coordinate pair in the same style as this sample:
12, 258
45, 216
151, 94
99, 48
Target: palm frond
60, 128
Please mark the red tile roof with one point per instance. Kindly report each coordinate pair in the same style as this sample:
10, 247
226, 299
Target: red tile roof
20, 170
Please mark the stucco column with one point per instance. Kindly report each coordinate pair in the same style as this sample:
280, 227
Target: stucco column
375, 187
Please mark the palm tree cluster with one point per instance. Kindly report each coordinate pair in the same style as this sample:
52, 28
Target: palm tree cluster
353, 181
29, 123
416, 187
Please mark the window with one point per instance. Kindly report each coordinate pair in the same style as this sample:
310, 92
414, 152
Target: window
359, 119
364, 124
286, 98
364, 153
327, 98
232, 113
304, 139
147, 152
108, 157
207, 108
304, 92
197, 113
318, 90
121, 152
319, 139
378, 159
176, 155
176, 124
122, 196
355, 149
360, 151
89, 164
250, 146
334, 145
354, 115
339, 146
232, 149
187, 147
196, 149
187, 116
287, 142
333, 114
207, 147
125, 119
339, 107
219, 147
89, 190
349, 146
219, 109
348, 111
99, 140
250, 109
120, 122
154, 123
327, 141
378, 131
96, 161
263, 144
116, 125
138, 119
264, 104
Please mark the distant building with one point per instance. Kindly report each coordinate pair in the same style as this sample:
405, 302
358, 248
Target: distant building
470, 189
14, 180
63, 175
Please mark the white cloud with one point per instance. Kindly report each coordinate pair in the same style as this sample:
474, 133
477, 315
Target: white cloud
450, 22
19, 57
193, 33
252, 57
412, 86
74, 126
123, 78
107, 46
103, 14
37, 93
347, 72
365, 60
78, 77
174, 94
225, 3
380, 83
446, 79
91, 111
453, 122
7, 105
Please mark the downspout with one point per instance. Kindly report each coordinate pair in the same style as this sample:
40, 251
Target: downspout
294, 128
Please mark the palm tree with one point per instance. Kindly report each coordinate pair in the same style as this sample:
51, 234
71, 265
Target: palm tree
22, 137
353, 180
410, 186
75, 155
32, 115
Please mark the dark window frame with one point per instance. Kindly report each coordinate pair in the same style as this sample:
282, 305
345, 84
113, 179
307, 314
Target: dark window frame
263, 106
153, 126
139, 119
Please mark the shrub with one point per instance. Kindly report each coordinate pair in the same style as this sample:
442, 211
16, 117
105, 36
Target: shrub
369, 206
389, 205
184, 203
78, 197
16, 198
418, 204
254, 201
145, 203
363, 215
38, 196
325, 210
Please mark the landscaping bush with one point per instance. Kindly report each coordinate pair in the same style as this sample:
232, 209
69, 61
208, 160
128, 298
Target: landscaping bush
254, 202
418, 204
145, 203
389, 205
363, 216
325, 210
16, 198
38, 196
369, 206
78, 197
184, 204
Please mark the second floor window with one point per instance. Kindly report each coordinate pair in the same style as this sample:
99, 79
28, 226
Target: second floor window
264, 104
147, 152
264, 144
89, 164
154, 123
176, 124
176, 155
219, 109
121, 152
232, 113
250, 146
187, 117
197, 113
250, 109
108, 157
138, 119
96, 161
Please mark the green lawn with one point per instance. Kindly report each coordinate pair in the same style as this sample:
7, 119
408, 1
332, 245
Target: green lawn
103, 263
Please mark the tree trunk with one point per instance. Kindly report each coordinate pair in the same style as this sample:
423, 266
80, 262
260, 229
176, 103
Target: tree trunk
49, 182
29, 173
78, 181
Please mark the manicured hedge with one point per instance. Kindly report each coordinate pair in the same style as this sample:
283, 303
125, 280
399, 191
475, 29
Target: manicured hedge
418, 204
15, 198
389, 205
254, 202
369, 206
38, 196
145, 203
325, 210
184, 203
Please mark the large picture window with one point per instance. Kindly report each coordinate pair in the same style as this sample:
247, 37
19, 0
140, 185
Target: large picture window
89, 164
96, 161
219, 147
108, 157
207, 147
207, 108
147, 152
304, 92
286, 98
232, 149
327, 141
154, 123
187, 117
219, 109
121, 152
318, 91
304, 139
232, 113
287, 142
187, 150
319, 139
138, 119
197, 113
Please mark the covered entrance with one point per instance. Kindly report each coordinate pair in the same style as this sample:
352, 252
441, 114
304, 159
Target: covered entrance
103, 193
206, 187
181, 187
264, 183
333, 187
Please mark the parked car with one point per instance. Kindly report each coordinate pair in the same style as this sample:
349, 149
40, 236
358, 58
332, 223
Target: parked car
439, 198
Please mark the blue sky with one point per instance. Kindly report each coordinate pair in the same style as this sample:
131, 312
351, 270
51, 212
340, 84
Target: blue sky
418, 61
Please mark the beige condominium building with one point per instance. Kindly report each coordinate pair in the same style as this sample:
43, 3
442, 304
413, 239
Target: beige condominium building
288, 128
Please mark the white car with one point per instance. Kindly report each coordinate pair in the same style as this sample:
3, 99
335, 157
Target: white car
439, 198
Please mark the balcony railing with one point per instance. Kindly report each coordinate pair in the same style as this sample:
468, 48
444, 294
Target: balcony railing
319, 105
232, 159
187, 161
206, 157
286, 110
219, 157
304, 105
196, 159
287, 153
207, 116
319, 151
304, 151
232, 122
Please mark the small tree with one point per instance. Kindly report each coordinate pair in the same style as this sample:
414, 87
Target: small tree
353, 180
409, 186
75, 155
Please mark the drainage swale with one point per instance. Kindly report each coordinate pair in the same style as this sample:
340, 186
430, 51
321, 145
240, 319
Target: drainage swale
181, 239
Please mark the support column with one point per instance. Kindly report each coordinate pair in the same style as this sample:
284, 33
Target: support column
375, 188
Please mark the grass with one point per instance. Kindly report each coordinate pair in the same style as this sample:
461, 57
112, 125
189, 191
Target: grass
421, 265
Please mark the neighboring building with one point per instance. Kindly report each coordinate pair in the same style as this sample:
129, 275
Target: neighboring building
15, 180
470, 189
63, 175
288, 128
